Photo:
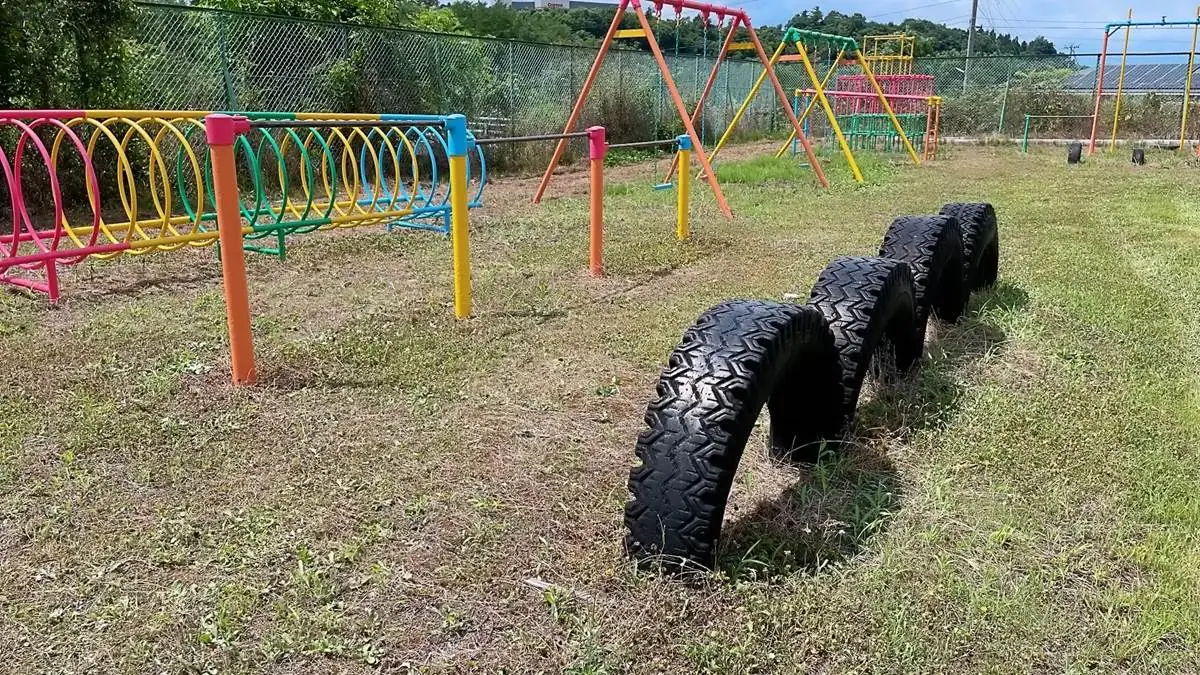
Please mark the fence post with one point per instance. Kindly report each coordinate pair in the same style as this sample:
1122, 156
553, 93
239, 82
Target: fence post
597, 149
230, 93
1025, 135
512, 87
683, 188
621, 71
222, 131
1003, 108
456, 131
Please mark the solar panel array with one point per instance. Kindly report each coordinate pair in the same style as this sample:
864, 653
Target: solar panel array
1139, 78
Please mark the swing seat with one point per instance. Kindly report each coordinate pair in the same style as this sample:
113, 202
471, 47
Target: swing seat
664, 186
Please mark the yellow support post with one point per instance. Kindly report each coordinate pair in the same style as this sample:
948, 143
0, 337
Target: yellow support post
683, 187
741, 111
1187, 85
837, 128
456, 131
1112, 143
811, 104
887, 107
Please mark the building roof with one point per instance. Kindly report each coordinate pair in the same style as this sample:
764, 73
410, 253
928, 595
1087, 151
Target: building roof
1139, 78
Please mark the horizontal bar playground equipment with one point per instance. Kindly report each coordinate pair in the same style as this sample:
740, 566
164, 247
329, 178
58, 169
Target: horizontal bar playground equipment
598, 148
1128, 25
1029, 124
224, 132
301, 179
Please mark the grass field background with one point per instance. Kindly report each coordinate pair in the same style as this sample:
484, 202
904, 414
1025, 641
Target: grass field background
407, 491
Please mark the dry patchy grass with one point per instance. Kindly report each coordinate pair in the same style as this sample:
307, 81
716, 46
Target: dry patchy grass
1025, 502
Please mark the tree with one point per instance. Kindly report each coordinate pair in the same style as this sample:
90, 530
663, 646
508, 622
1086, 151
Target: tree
375, 12
932, 38
1040, 46
65, 53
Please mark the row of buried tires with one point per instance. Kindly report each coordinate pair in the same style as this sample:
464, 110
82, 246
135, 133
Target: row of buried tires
1075, 155
805, 362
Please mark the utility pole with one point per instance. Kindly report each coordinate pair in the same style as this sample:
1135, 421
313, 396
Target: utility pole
970, 41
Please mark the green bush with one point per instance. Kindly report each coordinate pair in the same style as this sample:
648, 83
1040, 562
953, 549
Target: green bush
65, 53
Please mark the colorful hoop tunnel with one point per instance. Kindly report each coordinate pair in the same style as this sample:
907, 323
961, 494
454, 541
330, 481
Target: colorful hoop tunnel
323, 177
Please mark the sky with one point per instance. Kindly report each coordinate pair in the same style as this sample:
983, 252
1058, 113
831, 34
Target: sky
1073, 22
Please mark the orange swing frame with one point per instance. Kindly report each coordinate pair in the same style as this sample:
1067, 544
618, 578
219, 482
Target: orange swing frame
740, 19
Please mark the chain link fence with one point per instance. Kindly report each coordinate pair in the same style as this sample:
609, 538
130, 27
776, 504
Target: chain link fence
193, 58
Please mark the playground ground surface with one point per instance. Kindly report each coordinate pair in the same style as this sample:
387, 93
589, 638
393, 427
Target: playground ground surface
404, 490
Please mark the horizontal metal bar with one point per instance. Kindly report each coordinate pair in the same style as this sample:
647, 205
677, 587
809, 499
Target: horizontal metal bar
310, 124
644, 144
865, 94
1150, 24
707, 8
529, 139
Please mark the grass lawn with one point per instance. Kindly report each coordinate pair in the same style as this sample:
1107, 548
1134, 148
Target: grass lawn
405, 491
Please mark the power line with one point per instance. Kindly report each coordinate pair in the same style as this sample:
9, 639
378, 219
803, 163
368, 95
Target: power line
912, 9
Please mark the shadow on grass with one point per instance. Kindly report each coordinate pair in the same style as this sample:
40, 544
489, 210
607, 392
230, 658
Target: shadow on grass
827, 517
850, 495
201, 275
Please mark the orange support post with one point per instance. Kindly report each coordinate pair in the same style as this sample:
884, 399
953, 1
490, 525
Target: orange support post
709, 175
597, 149
222, 131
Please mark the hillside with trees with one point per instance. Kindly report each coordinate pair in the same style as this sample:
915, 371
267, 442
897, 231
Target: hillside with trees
71, 53
933, 39
586, 26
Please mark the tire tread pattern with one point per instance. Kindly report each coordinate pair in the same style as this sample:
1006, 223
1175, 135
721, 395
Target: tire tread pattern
869, 303
932, 247
709, 396
981, 242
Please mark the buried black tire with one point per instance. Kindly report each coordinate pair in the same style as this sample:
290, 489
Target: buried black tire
932, 247
1074, 153
1138, 157
871, 308
981, 242
736, 358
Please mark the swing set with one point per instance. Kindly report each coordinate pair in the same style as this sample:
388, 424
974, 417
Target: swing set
1128, 25
738, 19
801, 41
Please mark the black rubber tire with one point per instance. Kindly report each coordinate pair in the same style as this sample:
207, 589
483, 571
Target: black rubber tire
870, 305
1139, 156
981, 242
932, 247
1074, 153
738, 356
